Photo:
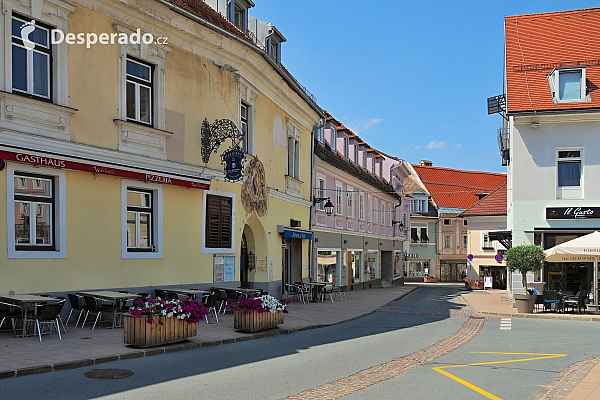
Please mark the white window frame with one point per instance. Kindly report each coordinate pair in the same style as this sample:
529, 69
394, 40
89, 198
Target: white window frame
375, 213
53, 13
294, 150
321, 193
491, 246
361, 206
570, 192
247, 94
350, 201
554, 82
355, 152
447, 241
369, 208
157, 219
383, 222
153, 54
60, 209
364, 158
333, 139
346, 147
138, 83
217, 250
339, 208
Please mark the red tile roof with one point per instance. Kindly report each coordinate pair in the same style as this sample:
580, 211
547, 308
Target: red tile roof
492, 204
454, 188
536, 44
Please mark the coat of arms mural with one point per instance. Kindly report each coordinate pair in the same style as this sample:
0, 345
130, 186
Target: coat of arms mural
254, 189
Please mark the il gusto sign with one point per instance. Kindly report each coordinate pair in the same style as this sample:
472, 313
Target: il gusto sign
573, 213
95, 169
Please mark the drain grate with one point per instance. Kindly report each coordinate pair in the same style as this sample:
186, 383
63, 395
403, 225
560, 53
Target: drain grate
112, 373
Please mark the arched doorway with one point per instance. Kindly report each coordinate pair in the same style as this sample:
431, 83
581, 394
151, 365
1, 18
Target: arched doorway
244, 262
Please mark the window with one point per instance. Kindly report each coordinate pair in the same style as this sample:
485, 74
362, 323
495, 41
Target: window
568, 85
569, 168
346, 147
364, 160
424, 237
447, 222
447, 241
361, 206
418, 205
320, 134
350, 202
237, 13
369, 209
139, 91
274, 49
371, 266
486, 243
414, 235
333, 138
244, 125
321, 205
219, 216
382, 213
293, 158
381, 169
375, 211
355, 152
31, 68
140, 236
465, 222
34, 198
465, 241
338, 199
373, 164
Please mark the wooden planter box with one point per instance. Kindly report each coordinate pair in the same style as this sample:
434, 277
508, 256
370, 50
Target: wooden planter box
474, 286
139, 333
428, 280
256, 321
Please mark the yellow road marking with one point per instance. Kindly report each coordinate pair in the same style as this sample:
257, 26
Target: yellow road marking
541, 356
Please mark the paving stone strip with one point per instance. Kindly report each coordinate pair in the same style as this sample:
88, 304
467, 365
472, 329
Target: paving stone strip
566, 380
379, 373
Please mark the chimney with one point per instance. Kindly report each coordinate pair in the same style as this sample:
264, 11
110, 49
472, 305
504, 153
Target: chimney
426, 163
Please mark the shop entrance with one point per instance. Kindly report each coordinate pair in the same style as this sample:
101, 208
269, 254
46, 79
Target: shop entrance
569, 277
498, 274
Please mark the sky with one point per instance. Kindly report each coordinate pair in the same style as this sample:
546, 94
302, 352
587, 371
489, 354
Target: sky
411, 78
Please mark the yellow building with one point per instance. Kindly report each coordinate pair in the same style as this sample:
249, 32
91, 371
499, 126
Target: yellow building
102, 137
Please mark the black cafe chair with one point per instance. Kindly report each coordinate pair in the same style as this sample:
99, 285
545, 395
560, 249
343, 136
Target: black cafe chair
48, 315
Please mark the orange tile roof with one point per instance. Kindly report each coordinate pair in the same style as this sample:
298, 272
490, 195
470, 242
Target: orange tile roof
492, 204
536, 44
454, 188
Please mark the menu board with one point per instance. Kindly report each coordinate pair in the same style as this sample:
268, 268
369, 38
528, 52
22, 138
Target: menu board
224, 269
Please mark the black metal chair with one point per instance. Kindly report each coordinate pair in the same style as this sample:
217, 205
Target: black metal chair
327, 290
12, 312
77, 304
341, 291
160, 293
210, 302
95, 308
551, 297
48, 314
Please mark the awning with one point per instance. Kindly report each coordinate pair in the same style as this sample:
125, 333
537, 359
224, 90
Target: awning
294, 233
104, 168
504, 237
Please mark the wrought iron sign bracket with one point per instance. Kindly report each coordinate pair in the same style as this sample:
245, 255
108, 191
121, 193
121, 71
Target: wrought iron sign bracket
213, 135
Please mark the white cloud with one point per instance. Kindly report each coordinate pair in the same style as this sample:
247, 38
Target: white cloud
359, 126
437, 145
458, 145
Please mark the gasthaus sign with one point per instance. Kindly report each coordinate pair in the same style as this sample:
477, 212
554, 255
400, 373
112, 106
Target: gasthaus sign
99, 169
573, 213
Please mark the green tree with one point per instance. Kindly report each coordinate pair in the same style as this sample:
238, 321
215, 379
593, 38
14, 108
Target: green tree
525, 258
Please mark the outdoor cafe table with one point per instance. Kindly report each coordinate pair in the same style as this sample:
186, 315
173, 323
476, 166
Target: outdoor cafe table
245, 292
315, 288
192, 293
113, 297
26, 301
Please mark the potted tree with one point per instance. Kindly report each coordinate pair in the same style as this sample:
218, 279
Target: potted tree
525, 258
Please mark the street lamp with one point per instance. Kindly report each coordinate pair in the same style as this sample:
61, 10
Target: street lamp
328, 205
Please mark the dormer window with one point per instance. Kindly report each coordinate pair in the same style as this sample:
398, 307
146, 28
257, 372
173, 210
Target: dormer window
568, 85
237, 12
346, 147
333, 137
355, 152
274, 49
364, 160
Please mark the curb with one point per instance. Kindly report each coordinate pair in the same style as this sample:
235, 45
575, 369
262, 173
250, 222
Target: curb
41, 369
564, 317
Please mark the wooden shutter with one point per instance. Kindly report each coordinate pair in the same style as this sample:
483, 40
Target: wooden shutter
218, 221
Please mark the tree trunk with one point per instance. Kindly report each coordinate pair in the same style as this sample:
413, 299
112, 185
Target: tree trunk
524, 279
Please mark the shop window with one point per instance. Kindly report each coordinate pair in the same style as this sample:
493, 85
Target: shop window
371, 266
142, 220
36, 209
327, 262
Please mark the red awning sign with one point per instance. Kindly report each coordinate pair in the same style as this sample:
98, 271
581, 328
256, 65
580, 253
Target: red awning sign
100, 169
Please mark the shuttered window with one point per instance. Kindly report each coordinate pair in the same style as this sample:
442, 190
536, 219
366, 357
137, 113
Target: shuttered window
218, 221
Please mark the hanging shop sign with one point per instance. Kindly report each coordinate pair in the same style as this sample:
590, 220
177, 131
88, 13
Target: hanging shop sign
573, 213
254, 189
101, 169
232, 160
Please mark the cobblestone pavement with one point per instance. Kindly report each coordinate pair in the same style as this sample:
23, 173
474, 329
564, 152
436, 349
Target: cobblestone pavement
564, 383
379, 373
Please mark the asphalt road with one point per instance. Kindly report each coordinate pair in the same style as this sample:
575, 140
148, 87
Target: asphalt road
280, 366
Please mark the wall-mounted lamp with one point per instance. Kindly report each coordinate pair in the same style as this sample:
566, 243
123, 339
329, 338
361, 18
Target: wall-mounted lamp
366, 243
345, 241
225, 67
535, 125
400, 224
328, 204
